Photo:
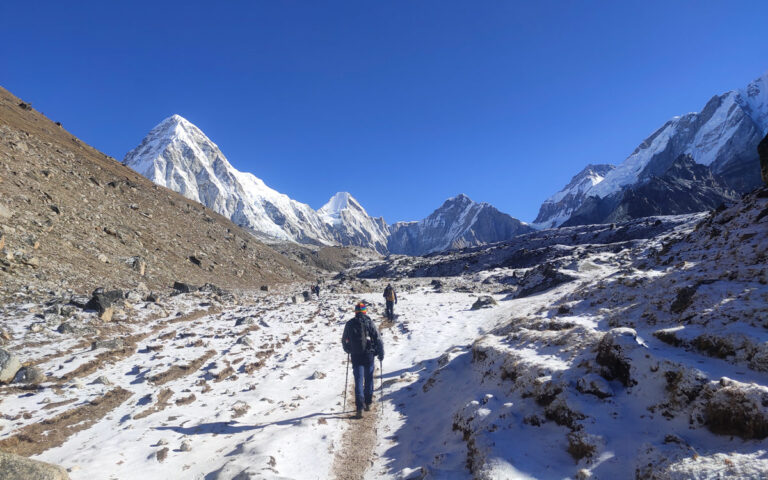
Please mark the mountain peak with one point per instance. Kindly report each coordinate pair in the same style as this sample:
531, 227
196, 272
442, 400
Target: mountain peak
337, 203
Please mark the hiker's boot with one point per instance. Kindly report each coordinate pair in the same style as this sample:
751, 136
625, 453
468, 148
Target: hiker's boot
359, 413
367, 407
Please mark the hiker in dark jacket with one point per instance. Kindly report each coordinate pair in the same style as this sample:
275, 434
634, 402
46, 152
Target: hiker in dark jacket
391, 298
362, 342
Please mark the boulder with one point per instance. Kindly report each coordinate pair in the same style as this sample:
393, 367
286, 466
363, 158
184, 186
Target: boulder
485, 301
138, 264
739, 409
9, 366
65, 328
306, 295
29, 376
16, 467
762, 150
615, 351
181, 287
102, 299
264, 288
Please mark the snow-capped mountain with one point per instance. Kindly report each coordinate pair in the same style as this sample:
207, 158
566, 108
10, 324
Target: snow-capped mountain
178, 155
350, 224
686, 187
559, 207
459, 222
723, 136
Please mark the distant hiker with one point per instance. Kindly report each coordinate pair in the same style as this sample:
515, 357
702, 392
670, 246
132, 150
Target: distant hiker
316, 290
362, 342
391, 297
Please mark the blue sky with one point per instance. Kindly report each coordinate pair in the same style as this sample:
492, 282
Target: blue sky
401, 103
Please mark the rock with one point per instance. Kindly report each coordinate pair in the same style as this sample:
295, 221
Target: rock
162, 454
106, 315
15, 467
485, 301
244, 321
437, 284
762, 150
134, 296
306, 295
614, 352
113, 344
181, 287
594, 385
152, 297
316, 375
102, 299
739, 409
4, 211
29, 376
211, 288
2, 241
138, 264
5, 335
37, 327
541, 278
65, 328
186, 446
264, 288
103, 380
245, 341
684, 299
103, 258
9, 366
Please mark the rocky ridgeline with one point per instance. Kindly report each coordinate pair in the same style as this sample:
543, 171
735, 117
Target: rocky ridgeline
73, 218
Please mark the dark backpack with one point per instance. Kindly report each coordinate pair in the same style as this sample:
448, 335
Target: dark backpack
358, 336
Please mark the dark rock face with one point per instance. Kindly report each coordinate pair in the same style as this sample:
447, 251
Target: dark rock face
458, 223
762, 151
101, 300
684, 187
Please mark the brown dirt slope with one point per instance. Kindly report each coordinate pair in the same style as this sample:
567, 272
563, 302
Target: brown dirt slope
72, 217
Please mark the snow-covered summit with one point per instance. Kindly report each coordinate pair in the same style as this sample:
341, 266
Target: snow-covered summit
557, 208
350, 224
178, 155
722, 136
459, 222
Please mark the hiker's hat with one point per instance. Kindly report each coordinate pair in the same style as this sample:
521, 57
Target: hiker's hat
361, 308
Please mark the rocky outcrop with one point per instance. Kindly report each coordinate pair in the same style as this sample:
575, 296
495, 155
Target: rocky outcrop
16, 467
9, 366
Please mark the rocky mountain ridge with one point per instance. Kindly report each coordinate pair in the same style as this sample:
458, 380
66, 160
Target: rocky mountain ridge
176, 154
723, 136
458, 223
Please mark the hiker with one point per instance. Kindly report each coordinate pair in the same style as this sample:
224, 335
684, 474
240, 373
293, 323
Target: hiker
362, 342
391, 297
316, 290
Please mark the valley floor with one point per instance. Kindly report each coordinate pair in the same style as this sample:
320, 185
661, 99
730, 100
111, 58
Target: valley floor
649, 360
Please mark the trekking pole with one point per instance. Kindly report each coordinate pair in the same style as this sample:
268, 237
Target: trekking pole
381, 382
346, 378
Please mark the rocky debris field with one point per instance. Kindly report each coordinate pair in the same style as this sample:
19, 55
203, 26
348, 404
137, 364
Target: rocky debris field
71, 217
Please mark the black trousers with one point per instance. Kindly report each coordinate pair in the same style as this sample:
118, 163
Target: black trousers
390, 310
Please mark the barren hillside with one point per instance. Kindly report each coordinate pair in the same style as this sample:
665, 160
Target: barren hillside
74, 218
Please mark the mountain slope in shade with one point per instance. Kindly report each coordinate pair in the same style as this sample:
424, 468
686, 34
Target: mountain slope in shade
350, 224
686, 187
559, 207
459, 222
723, 136
178, 155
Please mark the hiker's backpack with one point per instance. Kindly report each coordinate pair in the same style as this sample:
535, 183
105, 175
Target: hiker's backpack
358, 336
389, 294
